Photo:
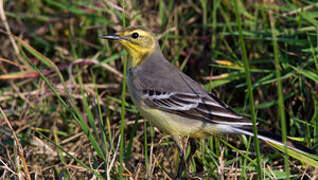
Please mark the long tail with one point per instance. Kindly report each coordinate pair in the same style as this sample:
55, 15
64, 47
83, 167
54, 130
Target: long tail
273, 138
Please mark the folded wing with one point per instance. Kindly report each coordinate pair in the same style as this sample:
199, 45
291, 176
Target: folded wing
195, 106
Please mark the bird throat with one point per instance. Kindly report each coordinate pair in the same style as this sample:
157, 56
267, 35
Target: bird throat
137, 56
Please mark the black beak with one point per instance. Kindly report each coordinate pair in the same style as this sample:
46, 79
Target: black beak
112, 37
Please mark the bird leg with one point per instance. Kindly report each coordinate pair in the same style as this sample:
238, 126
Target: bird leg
193, 148
182, 144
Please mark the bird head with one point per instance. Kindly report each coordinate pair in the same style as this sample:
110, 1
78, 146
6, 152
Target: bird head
138, 41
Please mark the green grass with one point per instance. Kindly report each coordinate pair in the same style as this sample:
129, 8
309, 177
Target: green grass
250, 90
64, 90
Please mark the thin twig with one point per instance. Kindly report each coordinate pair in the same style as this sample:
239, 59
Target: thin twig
5, 166
296, 11
18, 146
11, 37
111, 164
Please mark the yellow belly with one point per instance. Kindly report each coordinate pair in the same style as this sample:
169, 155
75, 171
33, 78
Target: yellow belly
177, 125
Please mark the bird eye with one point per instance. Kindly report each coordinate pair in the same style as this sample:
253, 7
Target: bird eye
135, 35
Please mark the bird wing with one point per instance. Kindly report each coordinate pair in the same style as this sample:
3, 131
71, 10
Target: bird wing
165, 87
194, 106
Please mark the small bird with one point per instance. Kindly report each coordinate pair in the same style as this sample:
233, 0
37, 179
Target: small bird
175, 103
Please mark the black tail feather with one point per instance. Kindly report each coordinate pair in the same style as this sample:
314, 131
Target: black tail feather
274, 138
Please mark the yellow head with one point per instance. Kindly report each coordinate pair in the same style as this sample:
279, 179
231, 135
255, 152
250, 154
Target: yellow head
138, 41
